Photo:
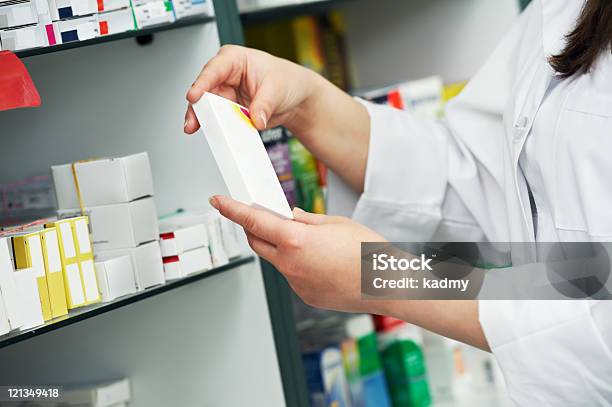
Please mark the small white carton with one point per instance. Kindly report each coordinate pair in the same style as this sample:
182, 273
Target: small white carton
121, 225
103, 182
115, 278
190, 262
153, 13
182, 240
105, 394
240, 154
146, 262
116, 21
17, 13
8, 286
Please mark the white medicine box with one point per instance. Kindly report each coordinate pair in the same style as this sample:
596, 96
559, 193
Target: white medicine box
240, 154
121, 225
103, 182
146, 263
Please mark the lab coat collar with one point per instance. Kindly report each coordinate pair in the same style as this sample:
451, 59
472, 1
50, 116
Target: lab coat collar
558, 19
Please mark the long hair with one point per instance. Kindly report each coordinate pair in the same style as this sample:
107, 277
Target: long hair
591, 37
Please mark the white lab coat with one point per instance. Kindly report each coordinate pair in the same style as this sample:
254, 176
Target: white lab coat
460, 180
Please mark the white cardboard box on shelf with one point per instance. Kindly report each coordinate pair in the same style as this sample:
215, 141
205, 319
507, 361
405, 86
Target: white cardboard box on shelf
241, 155
31, 309
217, 251
62, 9
190, 262
115, 278
116, 21
18, 39
110, 5
153, 13
187, 8
122, 225
229, 236
103, 182
104, 394
146, 262
17, 13
182, 240
5, 326
78, 29
8, 285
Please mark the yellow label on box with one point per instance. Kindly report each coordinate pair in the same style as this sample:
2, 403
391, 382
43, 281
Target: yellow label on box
53, 268
73, 284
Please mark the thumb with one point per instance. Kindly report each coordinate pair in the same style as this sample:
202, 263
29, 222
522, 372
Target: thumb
264, 105
311, 218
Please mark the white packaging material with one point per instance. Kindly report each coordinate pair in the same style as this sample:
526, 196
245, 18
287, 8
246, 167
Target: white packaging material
8, 286
153, 13
229, 235
17, 39
110, 5
115, 278
182, 240
103, 182
63, 9
217, 251
241, 155
31, 308
186, 8
121, 225
105, 394
187, 263
146, 262
115, 22
17, 13
5, 327
78, 29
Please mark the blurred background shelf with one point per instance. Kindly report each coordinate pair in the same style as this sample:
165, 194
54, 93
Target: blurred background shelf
184, 22
255, 15
80, 314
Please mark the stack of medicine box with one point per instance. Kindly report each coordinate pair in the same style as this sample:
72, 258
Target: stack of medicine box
25, 24
117, 195
78, 20
45, 269
185, 250
190, 229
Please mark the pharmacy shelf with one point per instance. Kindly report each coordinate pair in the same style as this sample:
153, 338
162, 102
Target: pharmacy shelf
184, 22
81, 314
291, 9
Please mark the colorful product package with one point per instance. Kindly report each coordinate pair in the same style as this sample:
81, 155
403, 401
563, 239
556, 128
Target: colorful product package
276, 143
307, 180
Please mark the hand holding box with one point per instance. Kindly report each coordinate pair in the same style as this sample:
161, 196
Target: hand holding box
241, 155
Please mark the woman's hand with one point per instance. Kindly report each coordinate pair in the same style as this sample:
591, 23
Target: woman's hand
318, 254
321, 258
273, 88
330, 123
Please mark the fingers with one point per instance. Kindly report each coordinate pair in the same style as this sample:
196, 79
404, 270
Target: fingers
314, 218
256, 221
225, 68
191, 121
264, 104
261, 247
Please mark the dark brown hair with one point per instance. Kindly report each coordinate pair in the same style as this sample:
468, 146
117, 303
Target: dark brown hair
591, 37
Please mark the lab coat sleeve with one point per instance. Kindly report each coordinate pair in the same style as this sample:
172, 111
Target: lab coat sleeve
441, 180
